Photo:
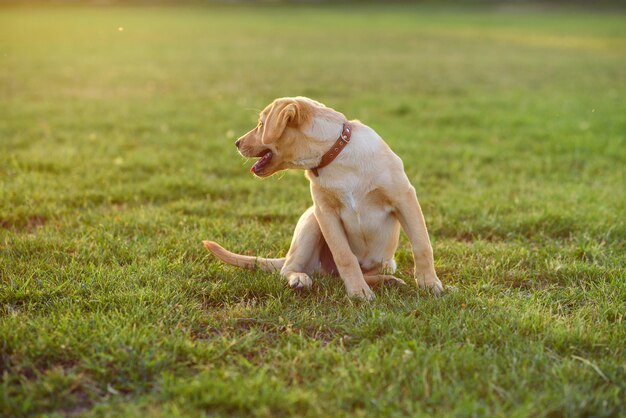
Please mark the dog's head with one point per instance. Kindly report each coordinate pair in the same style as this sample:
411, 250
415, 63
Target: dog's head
283, 138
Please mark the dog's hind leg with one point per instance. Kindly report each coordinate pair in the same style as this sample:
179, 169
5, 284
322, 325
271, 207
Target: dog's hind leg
303, 258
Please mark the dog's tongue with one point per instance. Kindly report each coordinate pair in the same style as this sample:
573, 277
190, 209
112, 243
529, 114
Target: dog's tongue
259, 165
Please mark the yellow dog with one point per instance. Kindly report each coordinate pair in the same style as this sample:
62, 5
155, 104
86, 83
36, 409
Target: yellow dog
361, 198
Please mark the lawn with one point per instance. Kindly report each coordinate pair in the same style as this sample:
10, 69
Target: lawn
117, 159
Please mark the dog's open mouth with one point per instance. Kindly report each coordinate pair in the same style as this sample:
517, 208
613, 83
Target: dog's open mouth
264, 161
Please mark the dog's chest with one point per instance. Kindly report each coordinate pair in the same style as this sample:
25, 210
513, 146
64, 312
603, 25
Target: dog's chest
363, 215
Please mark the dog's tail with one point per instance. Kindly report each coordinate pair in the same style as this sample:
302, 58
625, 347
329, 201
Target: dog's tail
244, 261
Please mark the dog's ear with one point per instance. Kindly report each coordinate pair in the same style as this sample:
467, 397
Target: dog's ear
284, 112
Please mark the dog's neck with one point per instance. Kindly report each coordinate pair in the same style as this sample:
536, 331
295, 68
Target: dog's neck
321, 133
335, 149
358, 159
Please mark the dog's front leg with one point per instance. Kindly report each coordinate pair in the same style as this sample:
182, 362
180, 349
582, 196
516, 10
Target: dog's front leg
346, 261
412, 221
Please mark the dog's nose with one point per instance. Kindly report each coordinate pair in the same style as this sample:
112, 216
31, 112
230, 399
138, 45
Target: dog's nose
237, 143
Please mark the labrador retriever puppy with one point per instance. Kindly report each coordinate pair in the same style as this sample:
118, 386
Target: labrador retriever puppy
361, 199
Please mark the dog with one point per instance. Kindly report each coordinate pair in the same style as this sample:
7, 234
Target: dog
361, 199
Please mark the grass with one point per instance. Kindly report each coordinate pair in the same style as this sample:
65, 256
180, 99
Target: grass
117, 159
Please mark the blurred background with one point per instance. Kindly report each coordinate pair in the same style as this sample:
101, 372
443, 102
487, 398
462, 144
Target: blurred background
122, 102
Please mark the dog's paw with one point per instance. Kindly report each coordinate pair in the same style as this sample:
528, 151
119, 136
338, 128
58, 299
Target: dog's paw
364, 293
299, 281
433, 285
392, 281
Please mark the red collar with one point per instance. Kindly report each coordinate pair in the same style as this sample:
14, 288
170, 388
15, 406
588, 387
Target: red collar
337, 147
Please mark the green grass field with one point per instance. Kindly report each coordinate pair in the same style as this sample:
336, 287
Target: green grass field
117, 158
